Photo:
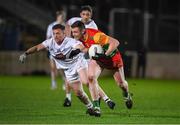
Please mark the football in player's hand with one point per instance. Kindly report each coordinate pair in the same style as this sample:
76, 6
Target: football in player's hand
94, 49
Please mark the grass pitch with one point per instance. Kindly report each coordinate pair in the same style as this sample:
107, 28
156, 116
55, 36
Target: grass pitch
30, 100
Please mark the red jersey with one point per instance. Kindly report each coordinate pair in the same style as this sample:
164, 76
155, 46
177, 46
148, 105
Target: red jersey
94, 36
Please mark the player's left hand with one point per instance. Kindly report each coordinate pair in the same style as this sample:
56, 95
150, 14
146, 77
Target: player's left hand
60, 56
22, 57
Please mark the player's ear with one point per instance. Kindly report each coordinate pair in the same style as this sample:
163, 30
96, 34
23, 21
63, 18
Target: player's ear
80, 14
83, 31
64, 32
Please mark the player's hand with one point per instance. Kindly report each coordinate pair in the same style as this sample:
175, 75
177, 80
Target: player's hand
74, 53
60, 56
22, 57
99, 55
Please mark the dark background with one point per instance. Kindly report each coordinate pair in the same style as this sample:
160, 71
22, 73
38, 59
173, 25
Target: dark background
22, 25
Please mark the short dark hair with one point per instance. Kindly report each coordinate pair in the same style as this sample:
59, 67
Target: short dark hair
60, 12
86, 7
78, 24
58, 26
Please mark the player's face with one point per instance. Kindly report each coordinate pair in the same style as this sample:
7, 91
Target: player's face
86, 16
58, 35
77, 33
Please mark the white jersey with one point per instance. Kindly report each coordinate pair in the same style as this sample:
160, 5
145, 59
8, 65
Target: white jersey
71, 66
65, 48
90, 24
49, 32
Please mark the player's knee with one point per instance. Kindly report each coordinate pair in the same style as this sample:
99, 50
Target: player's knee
91, 78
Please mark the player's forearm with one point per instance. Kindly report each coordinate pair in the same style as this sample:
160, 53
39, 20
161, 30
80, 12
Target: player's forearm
34, 49
31, 50
113, 44
82, 48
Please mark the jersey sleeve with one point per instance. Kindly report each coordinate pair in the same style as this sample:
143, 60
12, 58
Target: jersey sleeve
94, 26
46, 43
101, 38
76, 42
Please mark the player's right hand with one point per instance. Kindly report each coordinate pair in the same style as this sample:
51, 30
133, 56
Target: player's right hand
99, 56
74, 53
60, 56
22, 57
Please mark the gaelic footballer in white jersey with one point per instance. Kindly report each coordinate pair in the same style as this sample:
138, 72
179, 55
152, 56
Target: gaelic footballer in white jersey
71, 66
89, 24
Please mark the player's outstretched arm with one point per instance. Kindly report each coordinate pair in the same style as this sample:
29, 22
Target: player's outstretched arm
78, 49
75, 51
31, 50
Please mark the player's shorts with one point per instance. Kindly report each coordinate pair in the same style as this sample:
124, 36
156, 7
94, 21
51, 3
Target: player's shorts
72, 72
112, 63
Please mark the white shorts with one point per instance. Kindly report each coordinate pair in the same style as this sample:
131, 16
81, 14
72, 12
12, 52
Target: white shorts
71, 74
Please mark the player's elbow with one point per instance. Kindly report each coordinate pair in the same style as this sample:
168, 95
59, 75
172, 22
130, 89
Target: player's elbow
116, 43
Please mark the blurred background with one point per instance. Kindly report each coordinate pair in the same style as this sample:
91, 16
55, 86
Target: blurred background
148, 31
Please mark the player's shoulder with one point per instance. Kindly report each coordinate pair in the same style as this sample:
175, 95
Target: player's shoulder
68, 38
50, 40
71, 40
92, 21
91, 24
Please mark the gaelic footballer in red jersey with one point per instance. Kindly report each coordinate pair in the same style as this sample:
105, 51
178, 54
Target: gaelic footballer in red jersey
92, 36
111, 59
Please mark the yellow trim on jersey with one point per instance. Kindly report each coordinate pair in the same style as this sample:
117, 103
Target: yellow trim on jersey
101, 38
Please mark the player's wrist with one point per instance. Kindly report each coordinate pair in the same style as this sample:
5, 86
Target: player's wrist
107, 53
26, 53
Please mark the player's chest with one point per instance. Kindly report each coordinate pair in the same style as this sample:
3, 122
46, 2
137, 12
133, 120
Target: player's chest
89, 41
64, 48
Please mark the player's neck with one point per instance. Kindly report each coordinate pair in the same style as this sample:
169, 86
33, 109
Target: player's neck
86, 22
60, 41
59, 21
